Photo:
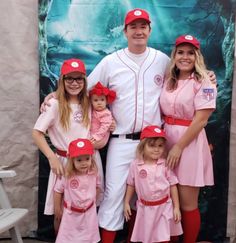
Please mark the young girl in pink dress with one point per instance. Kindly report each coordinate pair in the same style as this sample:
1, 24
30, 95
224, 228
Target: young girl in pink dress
158, 214
101, 122
67, 118
77, 192
187, 100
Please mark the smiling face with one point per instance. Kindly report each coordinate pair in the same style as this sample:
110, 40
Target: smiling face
82, 163
137, 34
98, 102
154, 149
185, 58
74, 83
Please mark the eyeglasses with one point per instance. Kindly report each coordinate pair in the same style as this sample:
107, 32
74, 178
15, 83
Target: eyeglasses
70, 80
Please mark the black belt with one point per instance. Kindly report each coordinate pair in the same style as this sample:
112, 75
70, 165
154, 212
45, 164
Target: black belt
133, 136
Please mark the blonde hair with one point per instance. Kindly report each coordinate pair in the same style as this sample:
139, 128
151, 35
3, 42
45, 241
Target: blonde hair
200, 71
143, 143
70, 169
64, 107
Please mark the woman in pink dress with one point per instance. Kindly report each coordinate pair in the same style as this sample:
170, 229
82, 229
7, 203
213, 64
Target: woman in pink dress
158, 213
77, 192
67, 118
101, 120
187, 100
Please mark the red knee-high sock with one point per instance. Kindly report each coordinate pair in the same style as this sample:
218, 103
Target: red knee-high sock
131, 225
108, 236
191, 221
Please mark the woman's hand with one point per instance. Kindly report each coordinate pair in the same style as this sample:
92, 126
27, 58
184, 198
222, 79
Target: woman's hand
173, 156
177, 215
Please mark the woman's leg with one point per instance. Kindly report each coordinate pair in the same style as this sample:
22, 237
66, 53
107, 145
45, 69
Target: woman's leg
191, 220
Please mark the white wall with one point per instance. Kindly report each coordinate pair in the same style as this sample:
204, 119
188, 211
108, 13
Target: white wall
19, 102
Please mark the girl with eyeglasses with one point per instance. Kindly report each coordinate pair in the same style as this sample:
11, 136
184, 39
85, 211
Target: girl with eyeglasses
66, 119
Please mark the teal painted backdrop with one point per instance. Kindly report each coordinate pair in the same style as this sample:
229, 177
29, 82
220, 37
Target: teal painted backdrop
91, 29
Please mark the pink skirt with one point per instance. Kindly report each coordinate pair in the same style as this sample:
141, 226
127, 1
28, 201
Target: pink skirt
155, 223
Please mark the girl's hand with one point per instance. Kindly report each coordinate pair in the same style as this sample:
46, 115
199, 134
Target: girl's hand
173, 156
58, 213
57, 219
127, 211
177, 215
56, 166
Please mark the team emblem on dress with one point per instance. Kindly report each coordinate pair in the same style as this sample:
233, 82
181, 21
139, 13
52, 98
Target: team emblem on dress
158, 80
78, 116
74, 184
208, 93
143, 173
74, 64
188, 37
137, 13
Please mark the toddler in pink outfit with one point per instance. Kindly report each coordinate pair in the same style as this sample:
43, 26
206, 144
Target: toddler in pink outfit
158, 211
101, 120
77, 192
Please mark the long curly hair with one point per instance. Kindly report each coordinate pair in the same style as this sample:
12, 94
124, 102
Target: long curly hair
200, 70
64, 107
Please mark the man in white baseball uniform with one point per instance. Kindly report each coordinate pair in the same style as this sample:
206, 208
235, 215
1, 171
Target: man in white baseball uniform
136, 73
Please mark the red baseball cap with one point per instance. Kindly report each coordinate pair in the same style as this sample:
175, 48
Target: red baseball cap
187, 39
79, 147
73, 65
152, 132
137, 14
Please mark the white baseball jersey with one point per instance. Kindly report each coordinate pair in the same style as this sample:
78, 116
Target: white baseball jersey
138, 89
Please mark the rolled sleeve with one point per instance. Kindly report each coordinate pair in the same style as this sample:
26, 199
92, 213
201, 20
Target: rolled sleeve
47, 118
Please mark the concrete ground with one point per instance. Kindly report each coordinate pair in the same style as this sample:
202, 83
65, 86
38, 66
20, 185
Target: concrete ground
37, 241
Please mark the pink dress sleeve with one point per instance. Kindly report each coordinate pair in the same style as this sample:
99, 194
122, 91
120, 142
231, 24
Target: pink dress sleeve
60, 185
130, 179
171, 177
47, 118
206, 93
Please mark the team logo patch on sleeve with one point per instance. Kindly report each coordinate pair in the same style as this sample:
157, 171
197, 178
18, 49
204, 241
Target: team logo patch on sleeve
208, 93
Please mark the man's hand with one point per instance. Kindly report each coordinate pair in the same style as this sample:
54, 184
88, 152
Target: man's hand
113, 125
212, 77
46, 102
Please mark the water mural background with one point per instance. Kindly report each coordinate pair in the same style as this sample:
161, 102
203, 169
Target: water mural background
89, 30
